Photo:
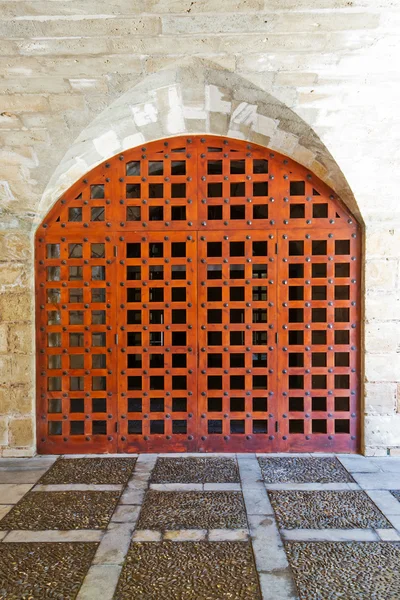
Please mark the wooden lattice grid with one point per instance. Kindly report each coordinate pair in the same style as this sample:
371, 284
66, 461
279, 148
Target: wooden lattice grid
198, 294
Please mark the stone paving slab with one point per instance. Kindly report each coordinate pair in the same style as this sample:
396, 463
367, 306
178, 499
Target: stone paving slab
303, 470
47, 570
253, 489
192, 510
27, 464
177, 487
11, 493
132, 497
61, 510
326, 510
4, 509
23, 476
331, 535
257, 501
90, 471
114, 544
278, 585
195, 470
385, 501
186, 535
396, 494
228, 535
358, 464
195, 455
267, 544
188, 570
77, 535
109, 455
77, 487
387, 466
345, 570
196, 487
377, 481
313, 487
100, 582
388, 535
222, 487
250, 473
147, 535
125, 513
395, 521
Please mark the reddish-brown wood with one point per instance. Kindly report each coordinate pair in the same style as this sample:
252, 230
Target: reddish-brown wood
157, 368
237, 350
76, 374
198, 294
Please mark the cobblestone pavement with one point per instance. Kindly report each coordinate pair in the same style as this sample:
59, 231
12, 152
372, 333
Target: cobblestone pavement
238, 527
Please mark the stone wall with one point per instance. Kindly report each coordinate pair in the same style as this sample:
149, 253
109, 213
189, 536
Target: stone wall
317, 81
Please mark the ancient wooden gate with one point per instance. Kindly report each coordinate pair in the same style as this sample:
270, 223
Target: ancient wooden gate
198, 294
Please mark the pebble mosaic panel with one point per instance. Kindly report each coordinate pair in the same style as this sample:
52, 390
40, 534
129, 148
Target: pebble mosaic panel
33, 571
303, 470
192, 510
195, 470
37, 511
187, 571
90, 471
326, 510
345, 570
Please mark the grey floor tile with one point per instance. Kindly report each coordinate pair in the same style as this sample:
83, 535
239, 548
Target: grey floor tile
385, 501
11, 493
267, 543
331, 535
100, 582
82, 535
24, 476
358, 464
377, 481
278, 585
114, 544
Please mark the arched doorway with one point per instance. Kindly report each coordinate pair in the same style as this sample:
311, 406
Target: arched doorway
198, 294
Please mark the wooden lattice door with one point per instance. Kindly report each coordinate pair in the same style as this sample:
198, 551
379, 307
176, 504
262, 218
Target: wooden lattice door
237, 339
157, 343
198, 294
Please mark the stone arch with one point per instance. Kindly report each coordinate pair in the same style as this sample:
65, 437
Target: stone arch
195, 97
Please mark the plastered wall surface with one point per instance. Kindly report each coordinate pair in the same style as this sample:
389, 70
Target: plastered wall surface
317, 81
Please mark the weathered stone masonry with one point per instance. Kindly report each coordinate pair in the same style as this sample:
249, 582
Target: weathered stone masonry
317, 82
